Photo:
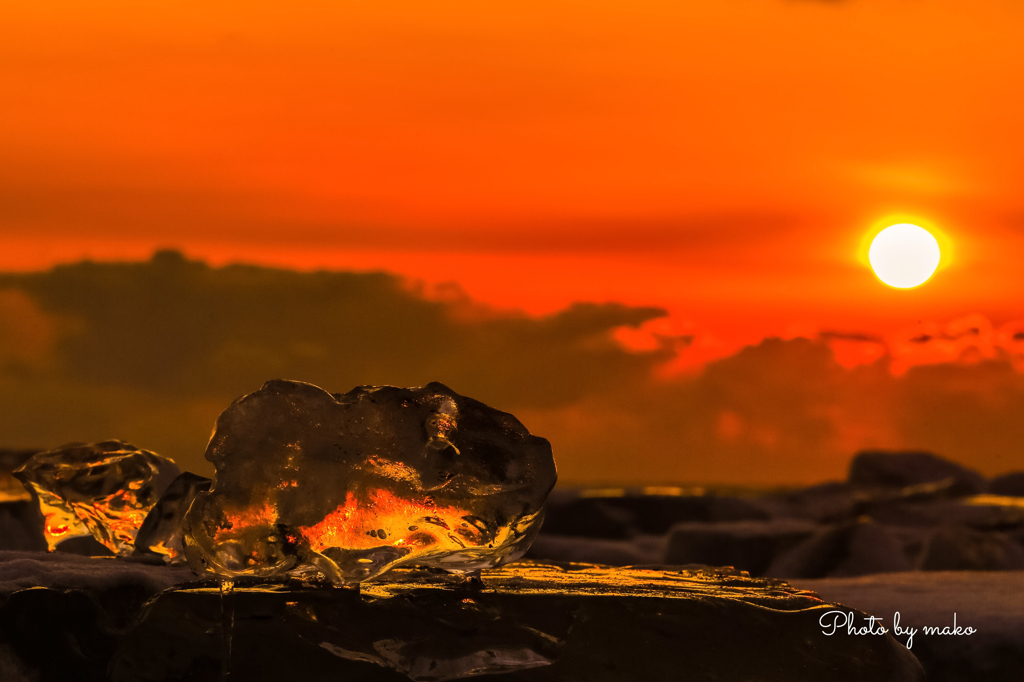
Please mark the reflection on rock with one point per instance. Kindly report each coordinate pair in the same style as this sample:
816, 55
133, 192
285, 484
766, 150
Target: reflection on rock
351, 485
104, 490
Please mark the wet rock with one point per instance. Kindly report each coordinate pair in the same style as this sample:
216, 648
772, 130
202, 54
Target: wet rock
746, 545
954, 547
530, 622
881, 469
351, 485
1009, 484
103, 490
161, 532
850, 549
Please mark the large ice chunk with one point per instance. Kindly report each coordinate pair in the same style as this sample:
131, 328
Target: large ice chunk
353, 484
101, 489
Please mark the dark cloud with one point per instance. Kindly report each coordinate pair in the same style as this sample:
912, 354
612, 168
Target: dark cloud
851, 336
135, 346
152, 352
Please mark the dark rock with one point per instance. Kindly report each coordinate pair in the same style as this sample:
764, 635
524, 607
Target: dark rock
103, 490
656, 514
161, 532
634, 552
880, 469
59, 571
982, 512
844, 502
21, 526
623, 516
531, 622
11, 489
61, 615
53, 634
832, 502
1017, 535
353, 484
954, 547
990, 602
850, 549
1008, 484
12, 458
84, 546
588, 517
746, 545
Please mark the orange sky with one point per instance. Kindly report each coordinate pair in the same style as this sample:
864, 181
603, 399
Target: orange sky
723, 158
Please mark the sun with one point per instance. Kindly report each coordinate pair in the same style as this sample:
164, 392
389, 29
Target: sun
904, 255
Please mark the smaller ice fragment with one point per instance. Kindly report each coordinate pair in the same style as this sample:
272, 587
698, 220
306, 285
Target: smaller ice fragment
161, 531
100, 489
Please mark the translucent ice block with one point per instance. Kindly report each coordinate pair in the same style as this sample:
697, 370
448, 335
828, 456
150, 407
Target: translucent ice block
103, 489
353, 484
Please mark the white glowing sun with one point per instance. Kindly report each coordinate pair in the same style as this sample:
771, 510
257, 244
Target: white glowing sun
904, 255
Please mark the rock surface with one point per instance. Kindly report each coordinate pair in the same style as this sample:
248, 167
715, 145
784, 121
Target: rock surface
351, 485
11, 489
991, 603
21, 526
616, 517
640, 550
746, 545
1011, 484
103, 490
849, 549
953, 547
882, 469
161, 533
529, 622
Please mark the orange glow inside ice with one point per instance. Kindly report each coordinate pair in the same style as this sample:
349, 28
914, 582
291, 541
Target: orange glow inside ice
356, 524
57, 530
247, 518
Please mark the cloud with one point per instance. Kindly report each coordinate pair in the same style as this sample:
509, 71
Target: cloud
147, 350
151, 352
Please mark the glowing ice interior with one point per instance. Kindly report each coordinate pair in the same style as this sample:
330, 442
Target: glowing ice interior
101, 489
350, 485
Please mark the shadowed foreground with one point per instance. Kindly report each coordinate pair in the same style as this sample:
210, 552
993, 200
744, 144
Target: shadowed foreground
528, 621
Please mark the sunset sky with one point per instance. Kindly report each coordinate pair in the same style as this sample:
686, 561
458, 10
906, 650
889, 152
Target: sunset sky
726, 161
